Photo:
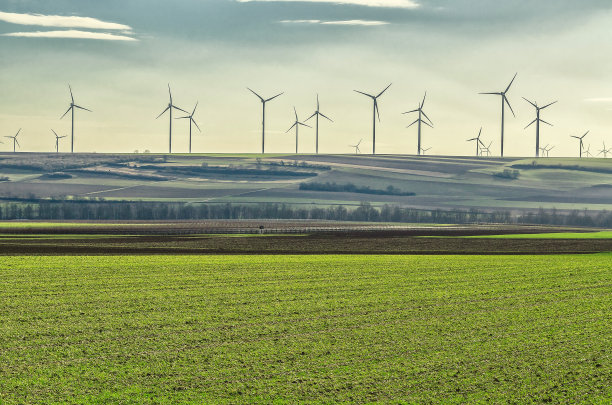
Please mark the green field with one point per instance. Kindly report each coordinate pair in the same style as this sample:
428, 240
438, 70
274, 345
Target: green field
324, 329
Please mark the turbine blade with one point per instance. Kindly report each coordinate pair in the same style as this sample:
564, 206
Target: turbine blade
170, 93
272, 98
531, 123
313, 114
67, 111
305, 125
57, 136
18, 132
423, 102
427, 123
533, 104
493, 94
510, 85
548, 105
260, 97
326, 117
365, 94
194, 108
376, 109
547, 123
82, 108
427, 117
196, 124
292, 126
296, 117
410, 112
317, 101
473, 139
71, 96
508, 102
382, 92
412, 124
178, 108
163, 112
587, 132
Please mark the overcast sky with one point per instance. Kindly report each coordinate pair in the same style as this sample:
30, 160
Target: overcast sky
119, 56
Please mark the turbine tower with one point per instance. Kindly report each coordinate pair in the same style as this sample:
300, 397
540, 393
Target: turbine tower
581, 139
318, 114
478, 142
420, 121
296, 125
375, 113
169, 108
15, 141
263, 119
504, 101
191, 121
357, 150
57, 138
537, 121
71, 109
604, 151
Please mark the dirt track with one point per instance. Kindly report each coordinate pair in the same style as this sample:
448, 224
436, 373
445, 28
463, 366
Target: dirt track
310, 244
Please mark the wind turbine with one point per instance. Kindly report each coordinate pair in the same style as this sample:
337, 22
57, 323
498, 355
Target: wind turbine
425, 150
478, 142
486, 149
169, 109
543, 150
537, 121
191, 121
420, 121
71, 109
263, 119
581, 139
357, 150
548, 149
604, 151
376, 112
57, 138
296, 125
15, 141
504, 101
587, 151
318, 114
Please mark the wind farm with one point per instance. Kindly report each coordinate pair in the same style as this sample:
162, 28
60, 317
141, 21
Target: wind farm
305, 202
422, 120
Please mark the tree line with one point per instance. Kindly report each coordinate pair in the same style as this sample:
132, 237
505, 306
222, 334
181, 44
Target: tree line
120, 210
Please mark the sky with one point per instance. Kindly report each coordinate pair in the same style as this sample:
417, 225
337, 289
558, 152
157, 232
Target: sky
120, 55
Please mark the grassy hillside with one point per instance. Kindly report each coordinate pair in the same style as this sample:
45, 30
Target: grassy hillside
285, 329
436, 181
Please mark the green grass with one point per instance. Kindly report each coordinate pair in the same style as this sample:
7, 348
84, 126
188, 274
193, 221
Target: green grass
287, 329
560, 235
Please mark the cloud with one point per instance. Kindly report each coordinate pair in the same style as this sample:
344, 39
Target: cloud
369, 23
61, 21
71, 34
365, 3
